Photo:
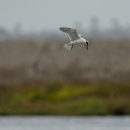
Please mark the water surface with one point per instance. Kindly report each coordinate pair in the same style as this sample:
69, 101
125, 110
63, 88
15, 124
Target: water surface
64, 123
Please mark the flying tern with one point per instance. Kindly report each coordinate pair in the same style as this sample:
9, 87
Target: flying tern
74, 38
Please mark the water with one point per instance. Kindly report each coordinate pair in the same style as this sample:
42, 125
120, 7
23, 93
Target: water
64, 123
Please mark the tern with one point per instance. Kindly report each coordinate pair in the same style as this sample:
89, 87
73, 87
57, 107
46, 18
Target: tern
74, 38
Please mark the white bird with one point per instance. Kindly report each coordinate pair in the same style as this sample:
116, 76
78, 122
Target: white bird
74, 38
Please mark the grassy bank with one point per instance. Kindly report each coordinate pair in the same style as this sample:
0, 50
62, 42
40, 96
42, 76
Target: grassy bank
65, 99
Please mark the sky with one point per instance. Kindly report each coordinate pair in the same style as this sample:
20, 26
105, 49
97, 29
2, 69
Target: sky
51, 14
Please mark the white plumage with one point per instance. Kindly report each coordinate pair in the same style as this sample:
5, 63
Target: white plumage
74, 37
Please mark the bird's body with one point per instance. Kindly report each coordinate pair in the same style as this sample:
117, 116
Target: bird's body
74, 37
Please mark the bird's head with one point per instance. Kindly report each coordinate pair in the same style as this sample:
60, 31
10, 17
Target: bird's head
87, 42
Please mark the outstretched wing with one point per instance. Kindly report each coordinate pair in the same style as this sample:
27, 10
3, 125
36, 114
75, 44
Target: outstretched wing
72, 33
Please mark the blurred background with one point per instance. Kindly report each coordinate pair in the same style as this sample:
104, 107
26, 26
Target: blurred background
38, 76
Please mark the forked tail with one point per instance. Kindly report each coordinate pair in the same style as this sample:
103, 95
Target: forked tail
68, 46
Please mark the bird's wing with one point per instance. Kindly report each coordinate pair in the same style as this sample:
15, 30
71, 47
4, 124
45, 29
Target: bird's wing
72, 33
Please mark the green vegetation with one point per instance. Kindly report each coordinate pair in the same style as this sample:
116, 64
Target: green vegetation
65, 99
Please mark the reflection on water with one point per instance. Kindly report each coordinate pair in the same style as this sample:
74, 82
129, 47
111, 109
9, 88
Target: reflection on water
64, 123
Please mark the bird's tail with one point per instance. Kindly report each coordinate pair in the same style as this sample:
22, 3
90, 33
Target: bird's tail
68, 46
